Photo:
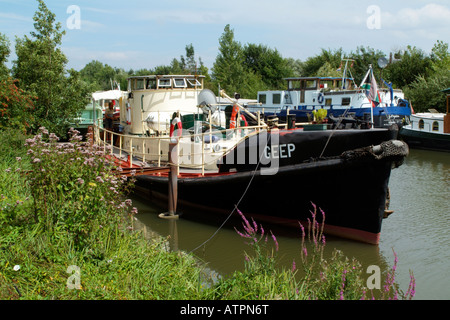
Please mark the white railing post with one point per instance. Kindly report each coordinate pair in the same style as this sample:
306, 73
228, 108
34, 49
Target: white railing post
120, 146
130, 155
159, 152
112, 142
203, 153
143, 150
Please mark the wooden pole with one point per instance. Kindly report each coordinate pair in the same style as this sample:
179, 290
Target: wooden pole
447, 117
172, 196
91, 136
448, 98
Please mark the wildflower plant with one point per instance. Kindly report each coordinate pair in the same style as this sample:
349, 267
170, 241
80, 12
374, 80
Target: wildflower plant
390, 289
260, 278
258, 239
333, 278
75, 188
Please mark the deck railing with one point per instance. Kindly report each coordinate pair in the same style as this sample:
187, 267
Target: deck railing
153, 150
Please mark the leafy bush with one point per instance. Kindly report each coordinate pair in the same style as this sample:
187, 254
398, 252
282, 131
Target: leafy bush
74, 187
16, 106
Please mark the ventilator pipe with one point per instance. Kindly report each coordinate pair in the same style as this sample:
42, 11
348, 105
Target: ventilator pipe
223, 94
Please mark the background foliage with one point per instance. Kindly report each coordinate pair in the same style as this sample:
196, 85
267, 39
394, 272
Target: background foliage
40, 91
41, 70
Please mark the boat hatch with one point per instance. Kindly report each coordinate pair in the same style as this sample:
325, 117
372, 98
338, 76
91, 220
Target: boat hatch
164, 83
152, 82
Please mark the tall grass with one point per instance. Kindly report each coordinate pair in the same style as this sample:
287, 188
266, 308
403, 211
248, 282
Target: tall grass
64, 204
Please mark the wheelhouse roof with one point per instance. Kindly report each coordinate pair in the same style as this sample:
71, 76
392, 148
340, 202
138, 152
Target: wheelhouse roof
157, 76
317, 78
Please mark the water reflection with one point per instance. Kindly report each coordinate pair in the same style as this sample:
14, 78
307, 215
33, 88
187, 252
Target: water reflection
224, 252
417, 230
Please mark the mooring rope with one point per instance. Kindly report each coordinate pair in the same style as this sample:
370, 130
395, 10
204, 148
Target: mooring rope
334, 130
236, 206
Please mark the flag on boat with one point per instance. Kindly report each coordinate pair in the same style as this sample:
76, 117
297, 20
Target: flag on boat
372, 92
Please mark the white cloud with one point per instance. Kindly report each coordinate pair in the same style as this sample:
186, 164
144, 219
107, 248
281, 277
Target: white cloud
180, 16
91, 25
126, 59
430, 16
13, 16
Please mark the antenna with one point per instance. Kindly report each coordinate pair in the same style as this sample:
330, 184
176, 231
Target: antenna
344, 74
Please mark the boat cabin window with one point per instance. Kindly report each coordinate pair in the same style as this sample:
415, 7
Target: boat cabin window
276, 98
346, 101
347, 84
435, 126
139, 84
311, 84
326, 84
179, 83
262, 98
151, 84
193, 83
421, 124
295, 85
328, 101
164, 83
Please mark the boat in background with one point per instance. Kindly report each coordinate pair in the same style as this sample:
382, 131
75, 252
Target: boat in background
339, 96
92, 114
429, 130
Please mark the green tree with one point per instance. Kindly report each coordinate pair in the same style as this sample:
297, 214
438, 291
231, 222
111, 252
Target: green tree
190, 65
40, 67
268, 63
228, 70
425, 92
312, 65
363, 57
101, 76
327, 70
4, 54
440, 56
98, 75
296, 66
412, 64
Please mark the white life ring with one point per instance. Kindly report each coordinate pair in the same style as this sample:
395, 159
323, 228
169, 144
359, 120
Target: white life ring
128, 113
320, 98
176, 122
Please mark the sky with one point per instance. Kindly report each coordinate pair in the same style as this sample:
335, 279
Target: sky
138, 34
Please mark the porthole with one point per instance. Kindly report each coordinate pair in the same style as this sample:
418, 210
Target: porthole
435, 126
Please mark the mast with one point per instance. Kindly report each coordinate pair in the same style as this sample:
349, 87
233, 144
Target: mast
344, 73
371, 89
371, 107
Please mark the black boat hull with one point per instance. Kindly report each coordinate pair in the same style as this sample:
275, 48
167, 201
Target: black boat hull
426, 140
350, 189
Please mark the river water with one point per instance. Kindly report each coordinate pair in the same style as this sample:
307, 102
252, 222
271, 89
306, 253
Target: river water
418, 231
